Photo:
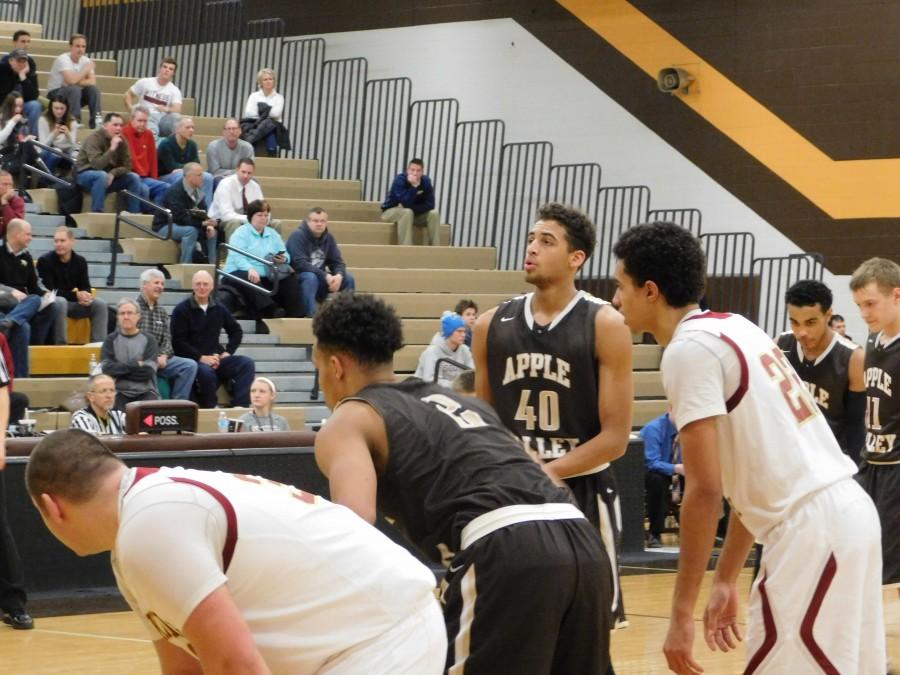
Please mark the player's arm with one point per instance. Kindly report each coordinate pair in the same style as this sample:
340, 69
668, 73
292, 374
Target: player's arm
700, 509
615, 392
855, 406
221, 638
344, 455
480, 355
176, 661
720, 619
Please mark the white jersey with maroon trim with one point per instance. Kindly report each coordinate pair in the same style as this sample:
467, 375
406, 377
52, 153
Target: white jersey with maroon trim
311, 578
775, 446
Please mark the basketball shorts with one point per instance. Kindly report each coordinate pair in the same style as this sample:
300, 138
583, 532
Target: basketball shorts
531, 598
816, 605
882, 482
597, 497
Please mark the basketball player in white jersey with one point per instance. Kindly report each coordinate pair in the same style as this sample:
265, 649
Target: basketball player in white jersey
237, 574
750, 430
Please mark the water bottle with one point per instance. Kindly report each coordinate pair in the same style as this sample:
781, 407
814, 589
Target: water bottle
92, 364
223, 423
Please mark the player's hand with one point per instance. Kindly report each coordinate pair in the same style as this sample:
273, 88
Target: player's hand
679, 647
720, 620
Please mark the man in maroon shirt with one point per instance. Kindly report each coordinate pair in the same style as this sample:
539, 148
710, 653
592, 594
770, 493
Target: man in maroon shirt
142, 144
11, 204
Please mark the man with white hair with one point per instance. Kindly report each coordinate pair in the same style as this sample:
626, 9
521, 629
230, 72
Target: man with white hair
197, 324
179, 371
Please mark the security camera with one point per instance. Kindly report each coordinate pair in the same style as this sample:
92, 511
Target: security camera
672, 80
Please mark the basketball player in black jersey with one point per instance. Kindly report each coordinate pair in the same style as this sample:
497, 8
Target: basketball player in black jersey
556, 364
830, 365
876, 290
529, 584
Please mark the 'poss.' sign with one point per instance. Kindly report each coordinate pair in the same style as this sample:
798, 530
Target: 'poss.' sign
156, 417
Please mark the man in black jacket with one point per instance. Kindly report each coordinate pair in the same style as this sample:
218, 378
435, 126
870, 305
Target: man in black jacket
18, 72
186, 202
316, 257
21, 318
196, 325
64, 271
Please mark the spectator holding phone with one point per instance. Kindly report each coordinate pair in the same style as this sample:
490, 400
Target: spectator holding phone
257, 238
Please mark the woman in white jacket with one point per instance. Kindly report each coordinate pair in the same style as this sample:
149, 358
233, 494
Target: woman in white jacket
266, 94
449, 345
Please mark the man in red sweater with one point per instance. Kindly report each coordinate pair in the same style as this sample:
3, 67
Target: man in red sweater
142, 144
11, 204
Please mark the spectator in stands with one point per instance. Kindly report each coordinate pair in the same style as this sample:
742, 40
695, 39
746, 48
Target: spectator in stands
11, 203
17, 75
224, 154
468, 310
129, 356
64, 271
410, 201
178, 150
190, 221
73, 77
664, 472
839, 326
99, 416
180, 372
265, 104
142, 146
260, 416
256, 238
21, 39
104, 165
22, 319
58, 129
315, 256
233, 195
12, 577
452, 346
15, 151
160, 95
196, 325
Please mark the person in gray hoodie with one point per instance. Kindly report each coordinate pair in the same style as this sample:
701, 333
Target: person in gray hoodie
449, 345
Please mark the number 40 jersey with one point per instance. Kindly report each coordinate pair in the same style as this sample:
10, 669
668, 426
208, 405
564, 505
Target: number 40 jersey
544, 378
774, 445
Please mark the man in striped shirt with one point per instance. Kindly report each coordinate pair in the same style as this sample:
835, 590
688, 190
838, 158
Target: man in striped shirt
100, 416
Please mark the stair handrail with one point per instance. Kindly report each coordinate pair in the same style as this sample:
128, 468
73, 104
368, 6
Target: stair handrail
45, 173
271, 264
114, 242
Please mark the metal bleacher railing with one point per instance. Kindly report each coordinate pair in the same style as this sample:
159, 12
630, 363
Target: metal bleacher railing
361, 129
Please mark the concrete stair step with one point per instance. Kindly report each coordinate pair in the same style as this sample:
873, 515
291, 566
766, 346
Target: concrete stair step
370, 232
388, 280
108, 84
648, 384
646, 357
338, 209
38, 45
112, 295
284, 355
44, 62
126, 275
418, 257
110, 102
430, 305
309, 188
7, 28
647, 410
44, 243
288, 366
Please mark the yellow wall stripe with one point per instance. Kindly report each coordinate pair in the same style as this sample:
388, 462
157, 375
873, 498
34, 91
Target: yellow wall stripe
842, 189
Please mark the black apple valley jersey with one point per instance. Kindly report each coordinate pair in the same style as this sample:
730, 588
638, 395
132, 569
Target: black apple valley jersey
827, 377
544, 378
449, 461
882, 366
